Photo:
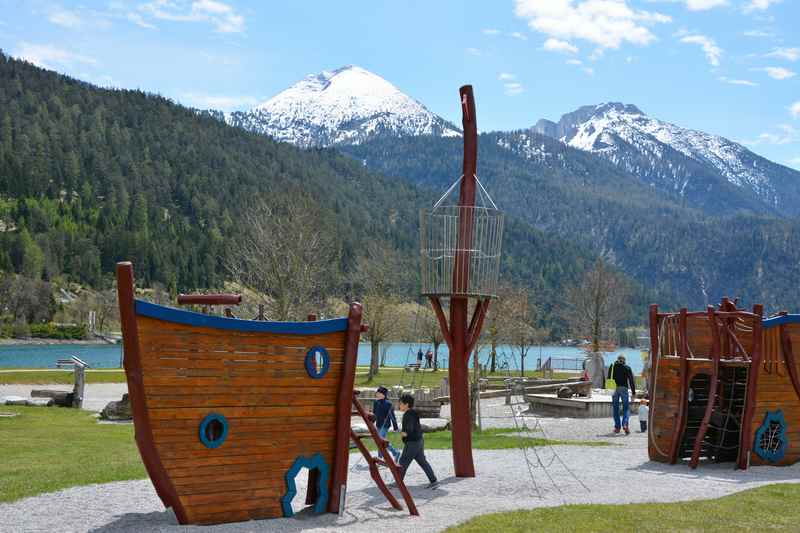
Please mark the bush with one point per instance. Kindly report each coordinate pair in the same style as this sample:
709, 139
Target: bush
58, 331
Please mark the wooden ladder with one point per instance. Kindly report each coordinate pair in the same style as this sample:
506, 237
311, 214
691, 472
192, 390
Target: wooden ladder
374, 462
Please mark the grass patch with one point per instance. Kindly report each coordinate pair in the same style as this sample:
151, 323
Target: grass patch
768, 508
58, 377
488, 439
48, 448
390, 376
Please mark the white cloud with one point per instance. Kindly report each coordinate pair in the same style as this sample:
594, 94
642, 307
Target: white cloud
65, 18
490, 31
794, 109
219, 14
574, 62
589, 71
758, 33
789, 54
738, 82
778, 73
221, 103
518, 35
564, 47
49, 56
702, 5
506, 76
137, 19
513, 88
794, 162
759, 5
710, 48
605, 23
786, 134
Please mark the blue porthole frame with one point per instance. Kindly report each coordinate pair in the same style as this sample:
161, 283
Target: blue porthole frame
216, 443
315, 461
777, 455
311, 366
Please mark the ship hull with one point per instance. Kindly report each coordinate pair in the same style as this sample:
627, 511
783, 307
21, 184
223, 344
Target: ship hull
228, 411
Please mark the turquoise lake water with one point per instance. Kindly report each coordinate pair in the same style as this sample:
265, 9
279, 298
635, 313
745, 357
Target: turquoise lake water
397, 354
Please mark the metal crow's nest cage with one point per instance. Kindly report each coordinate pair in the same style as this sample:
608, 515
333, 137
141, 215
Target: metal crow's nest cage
460, 248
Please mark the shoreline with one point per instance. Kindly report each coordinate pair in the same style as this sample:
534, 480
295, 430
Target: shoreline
34, 341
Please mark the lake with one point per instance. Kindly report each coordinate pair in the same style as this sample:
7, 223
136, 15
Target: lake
397, 354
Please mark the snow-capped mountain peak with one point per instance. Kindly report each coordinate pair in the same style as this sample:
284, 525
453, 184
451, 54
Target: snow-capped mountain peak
342, 106
670, 157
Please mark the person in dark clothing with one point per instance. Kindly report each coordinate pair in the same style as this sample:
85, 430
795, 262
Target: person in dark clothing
623, 378
429, 359
384, 418
420, 355
414, 449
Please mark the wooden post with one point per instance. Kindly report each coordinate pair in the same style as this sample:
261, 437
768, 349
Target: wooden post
683, 398
712, 389
746, 435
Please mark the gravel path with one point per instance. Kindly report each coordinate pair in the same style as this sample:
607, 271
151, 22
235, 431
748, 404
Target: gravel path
615, 474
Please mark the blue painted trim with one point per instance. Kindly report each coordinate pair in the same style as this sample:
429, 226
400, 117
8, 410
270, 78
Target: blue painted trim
313, 371
780, 320
315, 461
776, 416
204, 424
190, 318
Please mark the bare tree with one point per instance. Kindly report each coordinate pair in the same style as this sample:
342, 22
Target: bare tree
523, 332
379, 275
595, 304
497, 323
431, 331
286, 255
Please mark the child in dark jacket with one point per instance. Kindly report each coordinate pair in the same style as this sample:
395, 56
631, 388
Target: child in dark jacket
384, 418
414, 449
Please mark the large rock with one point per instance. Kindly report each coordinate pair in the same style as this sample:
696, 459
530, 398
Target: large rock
430, 425
120, 410
63, 398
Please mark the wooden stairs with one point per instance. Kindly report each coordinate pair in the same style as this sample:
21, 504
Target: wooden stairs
375, 462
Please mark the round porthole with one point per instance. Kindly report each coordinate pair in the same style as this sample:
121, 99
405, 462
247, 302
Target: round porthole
317, 362
213, 430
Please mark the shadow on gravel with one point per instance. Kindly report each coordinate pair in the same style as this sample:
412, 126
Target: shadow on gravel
721, 472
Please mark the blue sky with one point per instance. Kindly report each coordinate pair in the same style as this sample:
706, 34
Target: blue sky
730, 67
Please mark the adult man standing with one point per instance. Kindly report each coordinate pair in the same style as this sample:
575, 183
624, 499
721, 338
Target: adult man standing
623, 378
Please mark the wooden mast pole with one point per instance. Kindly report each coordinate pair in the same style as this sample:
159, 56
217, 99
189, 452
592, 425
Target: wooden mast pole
459, 302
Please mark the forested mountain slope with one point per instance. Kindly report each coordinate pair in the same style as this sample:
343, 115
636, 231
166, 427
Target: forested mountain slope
91, 176
679, 253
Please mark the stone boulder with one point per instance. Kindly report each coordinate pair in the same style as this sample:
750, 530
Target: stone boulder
120, 410
564, 392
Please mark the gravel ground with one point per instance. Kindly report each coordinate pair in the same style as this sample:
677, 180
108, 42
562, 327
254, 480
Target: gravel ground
96, 395
615, 474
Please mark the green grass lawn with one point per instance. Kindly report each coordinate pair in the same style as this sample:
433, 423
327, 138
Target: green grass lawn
58, 377
769, 508
488, 439
48, 449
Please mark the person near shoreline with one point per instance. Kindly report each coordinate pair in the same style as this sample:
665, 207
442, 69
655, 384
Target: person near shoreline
622, 375
420, 355
429, 359
383, 410
414, 449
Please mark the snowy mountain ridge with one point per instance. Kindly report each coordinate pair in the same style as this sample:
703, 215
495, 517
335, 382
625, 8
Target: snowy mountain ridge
343, 106
671, 157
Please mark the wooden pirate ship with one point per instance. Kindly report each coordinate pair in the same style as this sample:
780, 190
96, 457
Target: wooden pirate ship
724, 386
228, 411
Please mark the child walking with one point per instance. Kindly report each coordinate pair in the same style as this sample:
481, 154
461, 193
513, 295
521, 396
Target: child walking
414, 449
644, 411
384, 418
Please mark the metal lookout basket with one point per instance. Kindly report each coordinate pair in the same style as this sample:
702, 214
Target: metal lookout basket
453, 264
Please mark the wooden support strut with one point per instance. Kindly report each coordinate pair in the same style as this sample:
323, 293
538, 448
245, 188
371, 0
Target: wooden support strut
680, 416
746, 436
712, 390
387, 461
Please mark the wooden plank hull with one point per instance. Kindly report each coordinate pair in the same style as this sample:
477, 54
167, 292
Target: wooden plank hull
258, 381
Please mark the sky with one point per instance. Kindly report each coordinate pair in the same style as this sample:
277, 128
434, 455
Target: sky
728, 67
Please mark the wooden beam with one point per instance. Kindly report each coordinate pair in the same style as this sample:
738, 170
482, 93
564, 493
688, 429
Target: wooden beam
746, 435
789, 358
476, 324
680, 415
436, 303
712, 389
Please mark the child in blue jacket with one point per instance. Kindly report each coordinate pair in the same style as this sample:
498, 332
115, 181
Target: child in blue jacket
384, 418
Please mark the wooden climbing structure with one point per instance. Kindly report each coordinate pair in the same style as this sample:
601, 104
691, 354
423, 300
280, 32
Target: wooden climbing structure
228, 411
724, 386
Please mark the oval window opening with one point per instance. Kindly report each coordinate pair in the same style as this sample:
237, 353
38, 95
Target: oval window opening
317, 362
213, 430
